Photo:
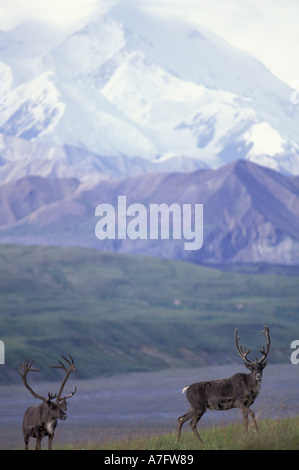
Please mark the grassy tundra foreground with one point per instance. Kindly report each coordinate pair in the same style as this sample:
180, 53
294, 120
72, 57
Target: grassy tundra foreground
278, 434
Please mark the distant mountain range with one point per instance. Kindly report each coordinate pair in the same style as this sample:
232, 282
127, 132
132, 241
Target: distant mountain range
20, 157
251, 213
150, 108
132, 84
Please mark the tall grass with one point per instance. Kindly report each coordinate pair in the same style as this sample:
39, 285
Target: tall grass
278, 434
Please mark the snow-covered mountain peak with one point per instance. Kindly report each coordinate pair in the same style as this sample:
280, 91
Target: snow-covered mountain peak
32, 109
132, 83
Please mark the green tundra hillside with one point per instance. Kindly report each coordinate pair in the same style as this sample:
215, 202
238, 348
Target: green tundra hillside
120, 313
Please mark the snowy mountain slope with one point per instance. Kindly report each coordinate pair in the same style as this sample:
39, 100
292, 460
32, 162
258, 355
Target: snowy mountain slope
133, 84
20, 158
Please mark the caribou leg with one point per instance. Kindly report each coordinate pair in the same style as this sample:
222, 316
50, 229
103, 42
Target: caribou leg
247, 411
50, 440
38, 443
245, 418
26, 440
193, 423
253, 419
182, 420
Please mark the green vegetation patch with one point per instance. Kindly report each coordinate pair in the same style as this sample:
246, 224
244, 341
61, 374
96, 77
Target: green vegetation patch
123, 313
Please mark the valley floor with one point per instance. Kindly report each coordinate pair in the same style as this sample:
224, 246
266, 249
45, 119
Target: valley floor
143, 404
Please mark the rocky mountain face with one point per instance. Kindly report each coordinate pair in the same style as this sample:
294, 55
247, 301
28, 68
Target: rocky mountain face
20, 158
130, 83
250, 213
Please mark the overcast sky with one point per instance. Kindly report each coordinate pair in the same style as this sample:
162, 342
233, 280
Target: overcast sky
267, 29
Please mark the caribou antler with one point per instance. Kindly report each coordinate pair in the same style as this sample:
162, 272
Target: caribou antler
241, 350
26, 367
51, 396
264, 351
67, 371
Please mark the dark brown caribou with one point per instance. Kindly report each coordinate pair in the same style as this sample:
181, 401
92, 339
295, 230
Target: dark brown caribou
41, 420
238, 391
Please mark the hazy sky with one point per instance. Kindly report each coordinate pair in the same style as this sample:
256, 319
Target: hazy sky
268, 29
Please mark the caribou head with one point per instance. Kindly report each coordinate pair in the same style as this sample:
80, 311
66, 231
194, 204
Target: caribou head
257, 366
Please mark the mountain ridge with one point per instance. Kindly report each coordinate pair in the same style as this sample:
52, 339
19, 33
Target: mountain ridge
250, 213
19, 158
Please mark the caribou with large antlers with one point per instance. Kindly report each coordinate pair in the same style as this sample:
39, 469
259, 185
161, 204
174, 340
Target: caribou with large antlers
238, 391
41, 420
